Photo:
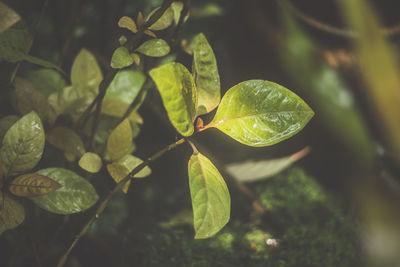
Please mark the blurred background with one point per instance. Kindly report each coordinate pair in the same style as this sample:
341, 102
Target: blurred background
337, 206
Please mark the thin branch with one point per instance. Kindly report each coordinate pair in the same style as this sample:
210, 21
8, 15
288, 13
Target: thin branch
178, 28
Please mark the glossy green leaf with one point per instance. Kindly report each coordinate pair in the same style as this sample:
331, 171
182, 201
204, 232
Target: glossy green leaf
211, 201
120, 169
90, 162
120, 140
75, 195
23, 145
12, 213
47, 81
8, 17
179, 95
5, 124
127, 23
125, 86
205, 73
15, 43
164, 22
121, 58
32, 185
261, 113
154, 48
67, 140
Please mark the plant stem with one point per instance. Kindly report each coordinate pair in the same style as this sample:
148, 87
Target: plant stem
103, 204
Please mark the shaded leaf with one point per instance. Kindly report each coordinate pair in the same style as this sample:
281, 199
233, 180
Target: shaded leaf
211, 201
8, 17
117, 109
205, 73
41, 62
47, 81
90, 162
178, 93
12, 213
23, 145
127, 23
67, 140
5, 124
150, 33
136, 58
164, 22
125, 86
139, 19
261, 113
177, 7
154, 48
32, 185
122, 40
75, 195
120, 140
121, 58
15, 43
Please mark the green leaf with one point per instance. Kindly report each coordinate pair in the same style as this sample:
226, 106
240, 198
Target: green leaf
8, 17
23, 145
15, 43
120, 140
32, 185
125, 86
210, 197
120, 169
12, 213
177, 8
121, 58
164, 22
67, 140
117, 109
178, 92
90, 162
154, 48
205, 73
5, 124
75, 195
261, 113
41, 62
47, 81
127, 23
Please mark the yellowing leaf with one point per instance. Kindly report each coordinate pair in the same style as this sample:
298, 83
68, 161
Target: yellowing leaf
154, 48
211, 201
136, 58
12, 213
8, 17
164, 22
127, 23
261, 113
32, 185
90, 162
179, 95
150, 33
67, 140
120, 140
121, 58
117, 109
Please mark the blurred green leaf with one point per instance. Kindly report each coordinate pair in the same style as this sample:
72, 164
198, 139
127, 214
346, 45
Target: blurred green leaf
211, 201
164, 22
121, 58
179, 95
205, 73
12, 213
15, 43
127, 23
75, 195
90, 162
41, 62
6, 123
67, 140
117, 109
261, 113
47, 81
154, 48
206, 10
32, 185
125, 86
8, 17
23, 145
177, 7
120, 140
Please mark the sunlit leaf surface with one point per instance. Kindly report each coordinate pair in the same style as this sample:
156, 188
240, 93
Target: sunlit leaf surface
32, 185
90, 162
127, 23
154, 48
164, 22
121, 58
120, 140
125, 86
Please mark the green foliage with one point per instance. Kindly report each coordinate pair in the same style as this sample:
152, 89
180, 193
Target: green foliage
154, 48
121, 58
125, 86
164, 22
127, 23
8, 17
120, 140
32, 185
15, 42
47, 81
12, 213
90, 162
67, 140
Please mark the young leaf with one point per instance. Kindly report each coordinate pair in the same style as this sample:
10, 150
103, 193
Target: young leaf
90, 162
164, 22
210, 197
154, 48
120, 140
121, 58
205, 73
125, 86
5, 124
76, 193
15, 43
127, 23
261, 113
150, 33
23, 145
67, 140
136, 59
120, 169
8, 17
12, 213
178, 92
32, 185
47, 81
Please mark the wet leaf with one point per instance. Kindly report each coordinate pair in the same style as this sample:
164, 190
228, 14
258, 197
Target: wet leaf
211, 201
120, 140
120, 169
47, 81
15, 43
261, 113
125, 86
5, 124
121, 58
90, 162
67, 140
164, 22
75, 195
32, 185
127, 23
178, 93
12, 213
205, 73
154, 48
8, 17
23, 145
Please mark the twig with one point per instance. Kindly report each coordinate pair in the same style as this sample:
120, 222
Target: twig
117, 188
178, 28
